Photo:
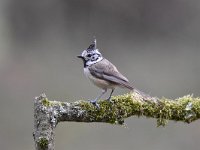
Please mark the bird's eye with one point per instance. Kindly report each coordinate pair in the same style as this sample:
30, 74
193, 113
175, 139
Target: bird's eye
89, 55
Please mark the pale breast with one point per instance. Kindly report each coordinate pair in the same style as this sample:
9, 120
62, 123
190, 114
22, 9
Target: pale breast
98, 82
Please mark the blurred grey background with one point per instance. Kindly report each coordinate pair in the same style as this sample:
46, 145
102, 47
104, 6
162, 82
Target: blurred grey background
154, 43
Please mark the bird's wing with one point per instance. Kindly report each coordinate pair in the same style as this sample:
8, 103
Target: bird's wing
107, 71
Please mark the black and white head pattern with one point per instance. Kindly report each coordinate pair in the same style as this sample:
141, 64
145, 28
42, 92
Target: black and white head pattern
91, 55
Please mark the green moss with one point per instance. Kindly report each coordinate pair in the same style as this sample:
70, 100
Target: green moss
62, 104
46, 102
43, 143
112, 112
186, 109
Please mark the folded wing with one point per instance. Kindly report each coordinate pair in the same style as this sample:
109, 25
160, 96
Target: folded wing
107, 71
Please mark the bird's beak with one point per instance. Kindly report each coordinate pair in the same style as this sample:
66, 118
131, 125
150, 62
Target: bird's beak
80, 56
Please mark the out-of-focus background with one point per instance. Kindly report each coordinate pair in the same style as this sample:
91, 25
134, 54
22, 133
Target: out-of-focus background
154, 43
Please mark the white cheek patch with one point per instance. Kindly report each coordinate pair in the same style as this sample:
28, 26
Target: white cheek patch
84, 53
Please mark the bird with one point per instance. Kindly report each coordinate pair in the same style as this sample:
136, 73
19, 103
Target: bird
102, 73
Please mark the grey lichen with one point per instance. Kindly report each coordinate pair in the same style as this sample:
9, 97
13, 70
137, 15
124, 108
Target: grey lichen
185, 109
49, 113
43, 128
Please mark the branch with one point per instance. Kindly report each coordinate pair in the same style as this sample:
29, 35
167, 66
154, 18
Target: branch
47, 114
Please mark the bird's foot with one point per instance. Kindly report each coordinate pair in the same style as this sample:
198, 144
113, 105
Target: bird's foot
94, 102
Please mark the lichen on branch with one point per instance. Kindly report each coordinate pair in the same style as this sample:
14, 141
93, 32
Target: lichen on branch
185, 109
47, 114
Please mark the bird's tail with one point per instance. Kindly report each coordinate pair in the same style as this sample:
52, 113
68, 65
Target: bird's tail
127, 85
143, 95
135, 90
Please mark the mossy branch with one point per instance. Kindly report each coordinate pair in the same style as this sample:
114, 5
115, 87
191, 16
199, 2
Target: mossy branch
49, 113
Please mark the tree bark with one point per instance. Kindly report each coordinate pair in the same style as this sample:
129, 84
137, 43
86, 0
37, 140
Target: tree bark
47, 114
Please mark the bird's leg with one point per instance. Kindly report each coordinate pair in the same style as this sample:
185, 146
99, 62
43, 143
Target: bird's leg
110, 95
94, 102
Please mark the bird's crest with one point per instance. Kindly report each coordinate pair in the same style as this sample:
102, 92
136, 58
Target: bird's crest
92, 46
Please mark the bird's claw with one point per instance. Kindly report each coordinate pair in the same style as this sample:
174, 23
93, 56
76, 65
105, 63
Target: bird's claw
94, 102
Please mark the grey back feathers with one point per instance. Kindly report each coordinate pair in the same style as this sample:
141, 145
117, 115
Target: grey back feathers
105, 70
